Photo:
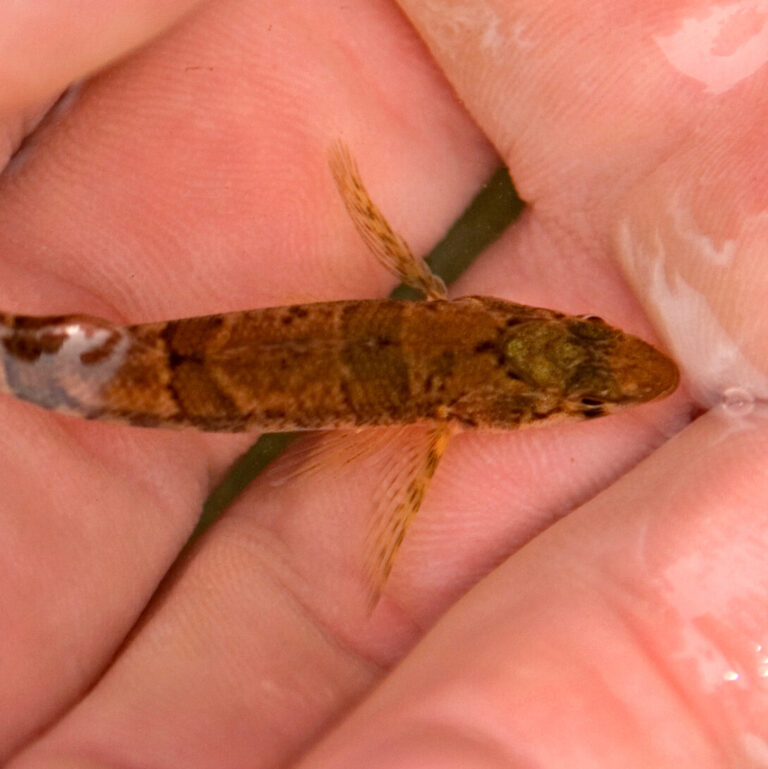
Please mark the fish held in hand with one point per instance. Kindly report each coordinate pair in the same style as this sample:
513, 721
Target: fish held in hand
473, 362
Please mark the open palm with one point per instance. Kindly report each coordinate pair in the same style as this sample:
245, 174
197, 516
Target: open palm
589, 593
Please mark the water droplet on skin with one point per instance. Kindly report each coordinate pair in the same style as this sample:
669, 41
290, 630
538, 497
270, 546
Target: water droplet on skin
738, 402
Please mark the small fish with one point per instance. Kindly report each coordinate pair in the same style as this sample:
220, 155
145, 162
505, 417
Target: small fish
473, 362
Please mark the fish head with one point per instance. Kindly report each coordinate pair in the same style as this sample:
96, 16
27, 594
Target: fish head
589, 367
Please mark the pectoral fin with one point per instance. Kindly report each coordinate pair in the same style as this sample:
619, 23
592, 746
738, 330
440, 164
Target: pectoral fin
387, 246
401, 460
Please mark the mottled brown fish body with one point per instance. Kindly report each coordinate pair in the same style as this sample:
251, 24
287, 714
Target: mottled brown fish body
476, 361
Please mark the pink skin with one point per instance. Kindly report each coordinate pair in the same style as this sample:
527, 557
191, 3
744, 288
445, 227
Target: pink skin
612, 575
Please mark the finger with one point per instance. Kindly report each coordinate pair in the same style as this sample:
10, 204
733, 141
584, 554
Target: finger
47, 44
169, 212
626, 634
90, 527
626, 107
699, 250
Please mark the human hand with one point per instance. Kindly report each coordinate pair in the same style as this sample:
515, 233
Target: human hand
190, 179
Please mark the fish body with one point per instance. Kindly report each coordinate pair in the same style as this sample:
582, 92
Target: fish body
477, 362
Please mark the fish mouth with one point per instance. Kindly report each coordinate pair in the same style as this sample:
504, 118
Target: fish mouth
641, 372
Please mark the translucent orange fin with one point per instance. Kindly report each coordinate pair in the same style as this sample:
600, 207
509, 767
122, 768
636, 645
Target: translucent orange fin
384, 243
400, 461
399, 499
339, 452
